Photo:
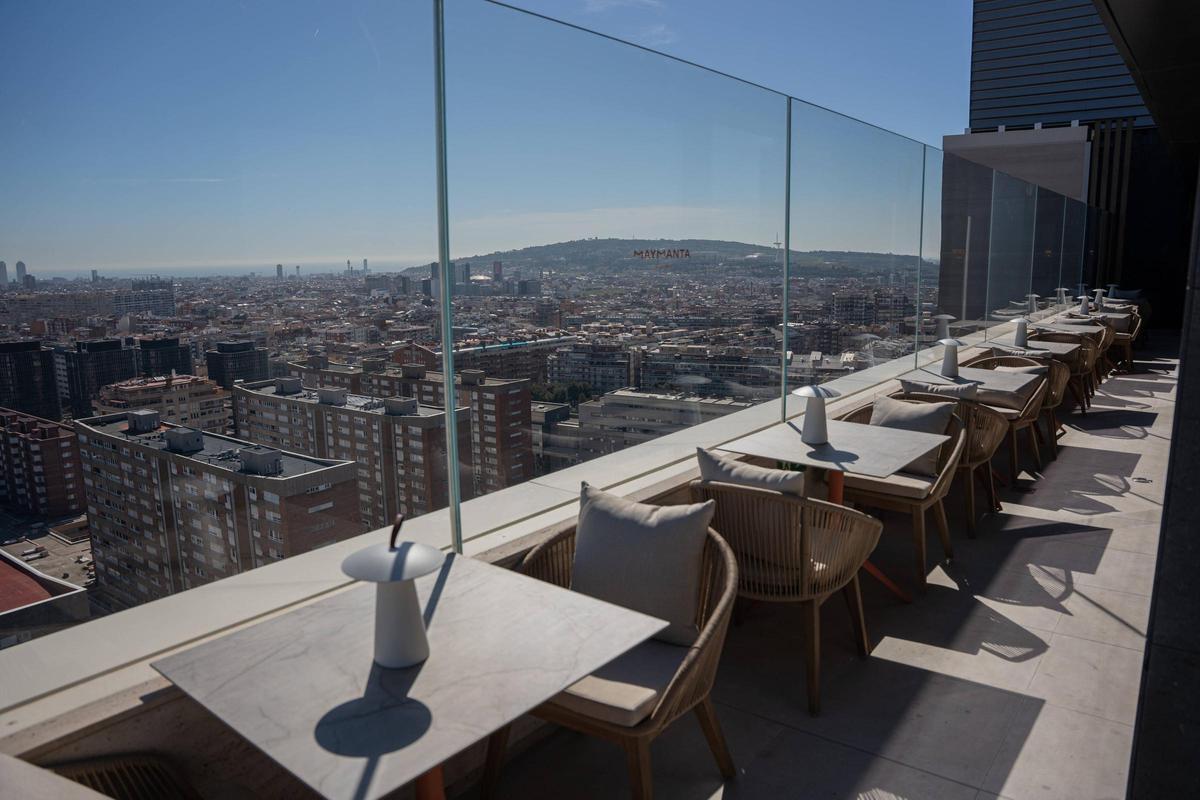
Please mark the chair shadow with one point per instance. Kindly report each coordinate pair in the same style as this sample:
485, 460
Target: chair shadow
1078, 480
1114, 424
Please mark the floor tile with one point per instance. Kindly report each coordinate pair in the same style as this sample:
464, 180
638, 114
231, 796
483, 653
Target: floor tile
1090, 677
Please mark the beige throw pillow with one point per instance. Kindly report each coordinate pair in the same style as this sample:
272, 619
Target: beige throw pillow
724, 469
959, 391
643, 557
919, 417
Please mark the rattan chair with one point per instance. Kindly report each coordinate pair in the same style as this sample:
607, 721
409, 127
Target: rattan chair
796, 550
553, 561
1057, 379
1123, 343
1080, 365
1018, 420
985, 431
133, 776
886, 493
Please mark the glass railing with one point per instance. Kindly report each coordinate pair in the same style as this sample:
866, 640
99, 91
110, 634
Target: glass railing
637, 245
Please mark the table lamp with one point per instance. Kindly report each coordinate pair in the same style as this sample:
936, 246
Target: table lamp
1032, 302
950, 357
1099, 298
815, 431
1063, 295
1112, 287
1084, 308
942, 331
400, 639
1021, 336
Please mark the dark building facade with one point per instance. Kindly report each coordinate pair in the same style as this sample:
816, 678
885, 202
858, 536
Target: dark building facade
162, 356
236, 361
40, 472
1047, 62
92, 365
27, 379
1053, 102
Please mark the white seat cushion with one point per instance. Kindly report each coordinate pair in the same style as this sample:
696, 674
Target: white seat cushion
625, 690
902, 484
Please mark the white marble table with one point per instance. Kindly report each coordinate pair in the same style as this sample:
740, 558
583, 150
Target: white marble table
1119, 320
1081, 328
995, 387
870, 450
303, 688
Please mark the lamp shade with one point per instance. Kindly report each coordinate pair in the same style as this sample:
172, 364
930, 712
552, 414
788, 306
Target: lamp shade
1084, 305
400, 639
1031, 302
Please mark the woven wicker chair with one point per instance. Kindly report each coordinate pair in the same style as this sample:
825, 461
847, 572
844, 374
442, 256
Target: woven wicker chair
985, 431
1123, 343
1026, 418
1057, 379
1080, 366
879, 493
1104, 365
796, 550
553, 561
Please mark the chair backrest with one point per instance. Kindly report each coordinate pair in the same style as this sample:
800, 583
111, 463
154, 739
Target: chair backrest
1056, 383
788, 548
984, 427
1074, 360
948, 461
862, 416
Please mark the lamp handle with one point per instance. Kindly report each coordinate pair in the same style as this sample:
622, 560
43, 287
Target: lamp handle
395, 531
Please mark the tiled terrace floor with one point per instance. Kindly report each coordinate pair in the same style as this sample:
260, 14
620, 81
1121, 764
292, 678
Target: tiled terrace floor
1015, 676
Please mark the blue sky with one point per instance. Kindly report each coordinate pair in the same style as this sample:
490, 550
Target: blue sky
149, 135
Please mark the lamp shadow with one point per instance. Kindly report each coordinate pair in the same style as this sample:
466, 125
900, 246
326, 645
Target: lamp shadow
385, 719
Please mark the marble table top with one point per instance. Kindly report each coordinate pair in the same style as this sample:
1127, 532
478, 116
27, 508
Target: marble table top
853, 447
303, 688
987, 379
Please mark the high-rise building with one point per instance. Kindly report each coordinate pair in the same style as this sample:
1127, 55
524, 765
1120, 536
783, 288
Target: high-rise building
399, 445
365, 268
163, 355
172, 507
462, 273
179, 399
21, 272
28, 381
279, 271
236, 361
3, 276
81, 372
501, 448
602, 365
1054, 103
497, 271
40, 472
148, 295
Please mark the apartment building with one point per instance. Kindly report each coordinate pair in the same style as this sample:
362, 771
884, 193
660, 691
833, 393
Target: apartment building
172, 507
39, 466
600, 364
27, 379
625, 418
501, 440
164, 355
82, 371
398, 445
179, 399
514, 359
236, 361
739, 373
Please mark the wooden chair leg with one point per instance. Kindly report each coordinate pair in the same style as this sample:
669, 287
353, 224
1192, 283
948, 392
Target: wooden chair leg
811, 610
918, 524
1077, 393
637, 755
991, 484
716, 739
1013, 469
939, 518
971, 501
1033, 444
858, 620
497, 744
